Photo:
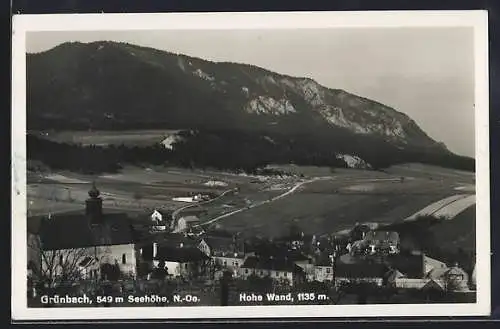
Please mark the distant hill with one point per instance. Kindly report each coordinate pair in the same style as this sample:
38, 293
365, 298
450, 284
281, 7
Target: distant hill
221, 106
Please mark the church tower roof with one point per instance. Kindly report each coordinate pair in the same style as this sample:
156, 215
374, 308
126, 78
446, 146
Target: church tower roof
94, 192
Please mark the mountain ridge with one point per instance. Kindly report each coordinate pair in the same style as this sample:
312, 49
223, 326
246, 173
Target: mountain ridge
110, 85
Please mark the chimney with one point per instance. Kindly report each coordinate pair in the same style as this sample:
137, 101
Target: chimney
93, 206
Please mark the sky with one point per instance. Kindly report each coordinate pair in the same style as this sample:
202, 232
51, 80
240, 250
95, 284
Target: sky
427, 73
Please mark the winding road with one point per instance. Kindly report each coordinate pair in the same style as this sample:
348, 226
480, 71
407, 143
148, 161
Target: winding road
177, 211
283, 195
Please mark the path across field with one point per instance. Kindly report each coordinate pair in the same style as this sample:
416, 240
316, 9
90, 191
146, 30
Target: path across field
283, 195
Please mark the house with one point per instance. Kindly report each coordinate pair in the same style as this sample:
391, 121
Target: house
382, 242
359, 272
227, 252
229, 261
172, 240
195, 231
193, 198
185, 262
184, 223
323, 268
455, 279
359, 231
78, 245
305, 262
408, 271
160, 220
278, 269
417, 270
358, 247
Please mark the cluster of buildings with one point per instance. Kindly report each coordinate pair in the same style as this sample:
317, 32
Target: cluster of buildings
86, 246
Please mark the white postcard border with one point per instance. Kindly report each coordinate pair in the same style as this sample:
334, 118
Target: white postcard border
291, 20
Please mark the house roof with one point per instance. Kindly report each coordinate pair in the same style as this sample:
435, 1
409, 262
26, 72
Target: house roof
395, 274
218, 243
174, 240
296, 256
382, 236
189, 219
437, 273
412, 266
323, 259
66, 231
360, 270
276, 264
433, 285
163, 212
180, 255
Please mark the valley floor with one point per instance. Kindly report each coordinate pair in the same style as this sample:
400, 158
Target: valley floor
316, 199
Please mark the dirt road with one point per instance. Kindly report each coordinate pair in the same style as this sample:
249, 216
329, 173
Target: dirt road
283, 195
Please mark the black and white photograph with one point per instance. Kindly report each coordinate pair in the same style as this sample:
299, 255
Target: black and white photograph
243, 165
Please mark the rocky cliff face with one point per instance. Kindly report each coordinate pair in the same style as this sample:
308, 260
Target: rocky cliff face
107, 85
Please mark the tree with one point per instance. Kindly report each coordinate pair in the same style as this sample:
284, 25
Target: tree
110, 272
67, 265
160, 272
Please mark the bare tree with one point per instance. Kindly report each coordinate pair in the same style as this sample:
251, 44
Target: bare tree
66, 265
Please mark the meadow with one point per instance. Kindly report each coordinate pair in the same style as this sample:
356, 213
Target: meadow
103, 137
322, 206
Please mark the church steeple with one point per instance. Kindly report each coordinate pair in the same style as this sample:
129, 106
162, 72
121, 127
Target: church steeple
93, 206
94, 192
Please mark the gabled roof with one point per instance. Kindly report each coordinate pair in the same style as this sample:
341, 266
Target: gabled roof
323, 259
163, 212
173, 240
412, 266
360, 270
67, 231
394, 274
382, 236
218, 243
189, 219
180, 255
276, 264
433, 285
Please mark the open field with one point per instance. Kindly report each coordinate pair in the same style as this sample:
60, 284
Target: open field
321, 202
139, 189
129, 138
323, 213
432, 173
349, 196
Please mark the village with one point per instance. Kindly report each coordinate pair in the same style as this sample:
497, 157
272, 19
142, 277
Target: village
94, 252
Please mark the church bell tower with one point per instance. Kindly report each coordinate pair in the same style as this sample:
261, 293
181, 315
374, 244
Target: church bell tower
93, 206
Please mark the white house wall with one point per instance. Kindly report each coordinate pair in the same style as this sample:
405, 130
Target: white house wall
377, 281
229, 262
175, 269
156, 216
115, 255
262, 273
323, 273
105, 254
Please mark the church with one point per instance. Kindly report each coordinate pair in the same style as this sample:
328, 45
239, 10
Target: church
85, 245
